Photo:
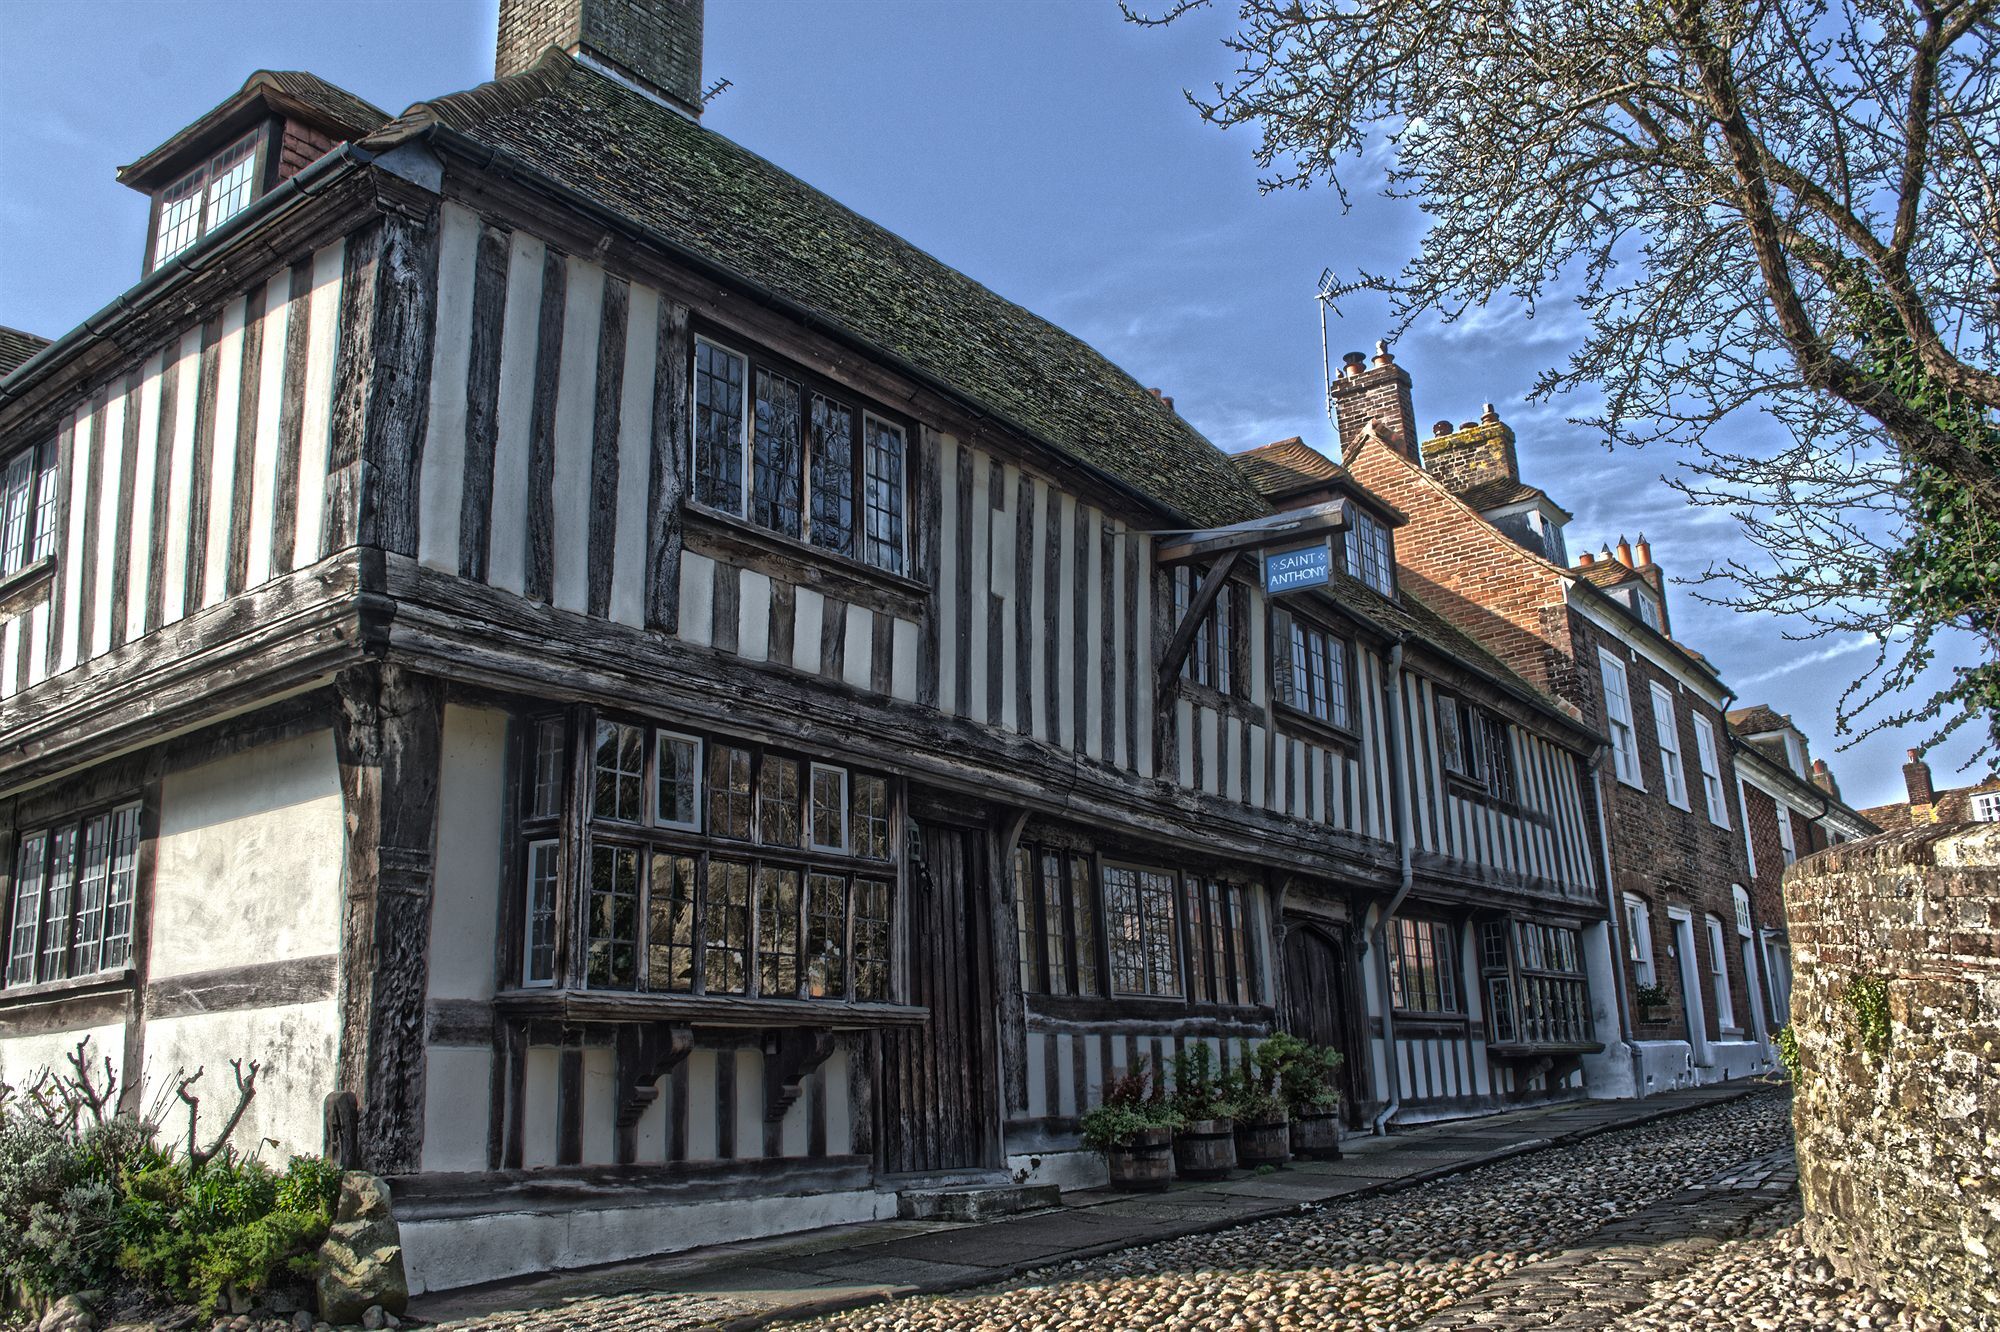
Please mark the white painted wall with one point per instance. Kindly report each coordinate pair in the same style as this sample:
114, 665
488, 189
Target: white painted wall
296, 1047
465, 902
22, 1058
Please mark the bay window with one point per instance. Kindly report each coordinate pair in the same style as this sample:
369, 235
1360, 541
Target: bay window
710, 866
792, 456
1536, 992
1311, 669
1423, 967
1472, 745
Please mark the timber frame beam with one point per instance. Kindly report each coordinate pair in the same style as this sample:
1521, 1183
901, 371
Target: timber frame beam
1203, 602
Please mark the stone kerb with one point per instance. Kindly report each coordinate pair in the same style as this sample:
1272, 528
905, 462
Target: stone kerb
1896, 1007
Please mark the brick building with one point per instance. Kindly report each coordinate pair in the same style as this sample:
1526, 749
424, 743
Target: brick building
1488, 550
1978, 802
1790, 807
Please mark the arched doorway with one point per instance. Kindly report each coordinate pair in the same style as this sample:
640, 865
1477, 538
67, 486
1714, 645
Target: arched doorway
1320, 998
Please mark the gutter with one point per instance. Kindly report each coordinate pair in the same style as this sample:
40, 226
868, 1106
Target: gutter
1405, 875
292, 192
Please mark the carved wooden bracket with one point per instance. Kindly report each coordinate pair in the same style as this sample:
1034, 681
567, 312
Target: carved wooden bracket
1203, 602
647, 1052
790, 1056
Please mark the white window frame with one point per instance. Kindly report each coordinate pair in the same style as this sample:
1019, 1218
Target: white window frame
660, 741
1667, 731
861, 537
1710, 761
745, 429
811, 805
199, 189
1368, 535
1743, 808
1718, 970
1639, 940
1618, 719
1786, 840
528, 978
1986, 807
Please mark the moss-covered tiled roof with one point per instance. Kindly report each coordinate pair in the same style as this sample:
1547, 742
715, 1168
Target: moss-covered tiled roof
1287, 466
16, 347
733, 209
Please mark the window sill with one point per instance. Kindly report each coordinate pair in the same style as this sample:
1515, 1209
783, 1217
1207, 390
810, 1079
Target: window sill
71, 987
722, 536
21, 585
1138, 1007
1319, 728
703, 1010
1532, 1049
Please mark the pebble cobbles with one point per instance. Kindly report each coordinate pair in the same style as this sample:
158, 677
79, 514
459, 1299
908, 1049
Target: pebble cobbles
1676, 1224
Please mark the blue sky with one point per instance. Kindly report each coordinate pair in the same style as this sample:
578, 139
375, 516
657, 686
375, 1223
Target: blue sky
1042, 146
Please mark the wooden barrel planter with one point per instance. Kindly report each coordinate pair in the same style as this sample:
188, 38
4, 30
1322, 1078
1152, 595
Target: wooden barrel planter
1262, 1143
1206, 1149
1317, 1137
1144, 1165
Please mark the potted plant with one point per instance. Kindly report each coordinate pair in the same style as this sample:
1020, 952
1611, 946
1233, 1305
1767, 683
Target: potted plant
1205, 1142
1262, 1137
1133, 1127
1308, 1084
1652, 1001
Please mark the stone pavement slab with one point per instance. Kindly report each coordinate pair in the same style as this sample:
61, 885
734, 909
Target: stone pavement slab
842, 1267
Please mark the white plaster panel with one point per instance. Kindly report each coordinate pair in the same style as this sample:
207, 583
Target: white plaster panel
753, 615
538, 1106
465, 901
600, 1098
441, 489
697, 599
316, 439
635, 455
903, 664
749, 1102
857, 661
22, 1058
699, 1070
296, 1047
250, 855
456, 1107
808, 620
576, 408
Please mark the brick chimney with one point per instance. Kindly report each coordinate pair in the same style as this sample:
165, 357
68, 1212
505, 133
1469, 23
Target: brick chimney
1917, 779
1474, 455
654, 45
1378, 392
1822, 777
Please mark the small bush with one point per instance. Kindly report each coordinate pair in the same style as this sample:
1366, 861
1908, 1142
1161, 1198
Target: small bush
1133, 1103
1787, 1041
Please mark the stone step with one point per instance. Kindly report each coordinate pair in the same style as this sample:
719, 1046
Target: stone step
977, 1202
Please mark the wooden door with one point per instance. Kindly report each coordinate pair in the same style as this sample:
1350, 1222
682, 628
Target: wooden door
938, 1097
1320, 998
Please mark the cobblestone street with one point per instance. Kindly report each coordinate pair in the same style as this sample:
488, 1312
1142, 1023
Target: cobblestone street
1688, 1221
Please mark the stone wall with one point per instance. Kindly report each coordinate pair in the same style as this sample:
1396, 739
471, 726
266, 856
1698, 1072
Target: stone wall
1899, 1144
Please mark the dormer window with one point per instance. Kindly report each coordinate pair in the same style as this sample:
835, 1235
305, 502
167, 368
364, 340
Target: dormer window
1369, 557
207, 196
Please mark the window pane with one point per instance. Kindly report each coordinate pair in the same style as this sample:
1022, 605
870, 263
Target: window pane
92, 874
778, 801
44, 544
1157, 894
1202, 951
1026, 942
1242, 958
679, 785
123, 883
777, 932
718, 428
871, 817
777, 467
1083, 911
29, 871
1049, 893
621, 771
56, 903
1317, 700
1123, 933
540, 963
726, 919
545, 801
832, 475
1336, 676
670, 923
16, 492
884, 495
1451, 744
729, 791
180, 215
826, 936
229, 182
613, 960
829, 807
871, 940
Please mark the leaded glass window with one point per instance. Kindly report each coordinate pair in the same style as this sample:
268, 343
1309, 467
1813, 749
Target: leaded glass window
778, 908
1423, 969
670, 903
832, 475
679, 784
729, 791
727, 919
621, 771
777, 463
884, 495
28, 504
829, 807
93, 873
546, 799
30, 870
871, 817
1142, 930
826, 936
539, 966
613, 960
778, 801
871, 939
718, 427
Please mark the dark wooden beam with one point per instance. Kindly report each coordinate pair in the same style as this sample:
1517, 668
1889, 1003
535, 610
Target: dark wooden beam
1257, 534
388, 733
1204, 601
790, 1056
645, 1054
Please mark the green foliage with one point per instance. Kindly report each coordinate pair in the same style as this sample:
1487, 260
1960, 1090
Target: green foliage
1132, 1103
1867, 997
87, 1196
1198, 1091
1787, 1040
1308, 1078
1651, 996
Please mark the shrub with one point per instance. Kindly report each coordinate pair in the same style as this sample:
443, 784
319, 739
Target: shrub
1197, 1089
1133, 1103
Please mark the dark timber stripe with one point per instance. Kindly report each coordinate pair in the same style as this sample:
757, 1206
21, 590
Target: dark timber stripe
163, 471
1051, 627
121, 539
291, 421
517, 1096
1107, 703
202, 479
670, 432
833, 638
728, 606
996, 606
1137, 656
961, 629
251, 380
482, 401
784, 616
92, 448
725, 1103
296, 980
542, 433
392, 438
882, 653
604, 443
930, 508
1024, 604
569, 1106
68, 445
1082, 632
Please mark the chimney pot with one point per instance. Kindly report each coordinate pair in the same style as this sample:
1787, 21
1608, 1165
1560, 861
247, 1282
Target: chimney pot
1441, 428
1917, 781
1489, 416
1624, 551
1585, 560
1470, 425
1382, 354
1642, 552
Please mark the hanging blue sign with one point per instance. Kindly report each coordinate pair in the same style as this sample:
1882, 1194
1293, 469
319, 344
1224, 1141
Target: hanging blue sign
1295, 570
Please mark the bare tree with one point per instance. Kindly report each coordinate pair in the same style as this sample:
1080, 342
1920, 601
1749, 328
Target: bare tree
1786, 205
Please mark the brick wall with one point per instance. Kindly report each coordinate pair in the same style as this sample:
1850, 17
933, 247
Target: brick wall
656, 43
1378, 395
1899, 1148
1767, 897
1479, 453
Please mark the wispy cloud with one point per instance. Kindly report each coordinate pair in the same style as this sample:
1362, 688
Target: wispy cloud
1843, 648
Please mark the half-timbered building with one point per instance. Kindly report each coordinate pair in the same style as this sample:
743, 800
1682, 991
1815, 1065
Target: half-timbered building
661, 713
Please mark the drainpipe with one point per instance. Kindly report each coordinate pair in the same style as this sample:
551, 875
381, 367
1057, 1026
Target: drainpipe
1398, 780
1617, 919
